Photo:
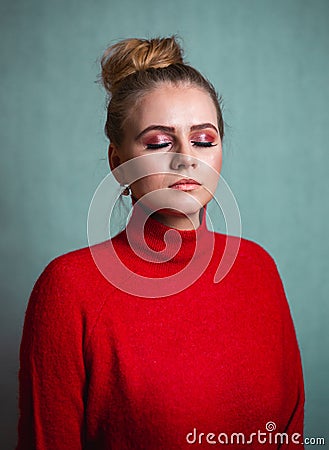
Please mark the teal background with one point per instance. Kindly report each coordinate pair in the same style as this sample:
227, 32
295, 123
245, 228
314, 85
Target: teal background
270, 62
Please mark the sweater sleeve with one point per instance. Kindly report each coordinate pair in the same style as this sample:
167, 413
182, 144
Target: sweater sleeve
295, 425
292, 370
52, 373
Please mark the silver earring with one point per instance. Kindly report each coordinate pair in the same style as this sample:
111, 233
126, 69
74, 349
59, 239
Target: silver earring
126, 190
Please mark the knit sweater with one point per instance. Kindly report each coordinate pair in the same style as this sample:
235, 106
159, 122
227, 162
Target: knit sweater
101, 368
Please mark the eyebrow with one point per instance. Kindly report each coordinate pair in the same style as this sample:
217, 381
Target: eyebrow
201, 126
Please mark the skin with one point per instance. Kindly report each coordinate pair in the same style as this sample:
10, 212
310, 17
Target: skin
190, 139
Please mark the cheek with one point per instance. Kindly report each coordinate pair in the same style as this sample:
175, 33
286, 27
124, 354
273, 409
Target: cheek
211, 170
148, 184
215, 160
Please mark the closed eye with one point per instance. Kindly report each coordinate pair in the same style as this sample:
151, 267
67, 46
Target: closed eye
203, 144
155, 146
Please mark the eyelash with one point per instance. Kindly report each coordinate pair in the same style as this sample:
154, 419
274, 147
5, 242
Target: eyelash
165, 144
203, 144
155, 146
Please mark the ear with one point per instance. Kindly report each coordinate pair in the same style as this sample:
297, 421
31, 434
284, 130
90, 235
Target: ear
115, 161
113, 156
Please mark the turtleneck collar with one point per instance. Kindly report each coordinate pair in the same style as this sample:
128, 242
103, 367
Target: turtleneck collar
162, 243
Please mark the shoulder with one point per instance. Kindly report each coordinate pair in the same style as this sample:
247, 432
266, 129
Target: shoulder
254, 277
77, 266
256, 253
250, 263
67, 297
66, 268
247, 251
70, 281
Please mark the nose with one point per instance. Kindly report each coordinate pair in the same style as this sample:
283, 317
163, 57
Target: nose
182, 158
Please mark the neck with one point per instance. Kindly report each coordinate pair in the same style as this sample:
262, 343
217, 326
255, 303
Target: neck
177, 220
180, 222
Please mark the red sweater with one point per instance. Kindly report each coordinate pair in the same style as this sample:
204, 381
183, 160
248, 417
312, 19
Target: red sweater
104, 369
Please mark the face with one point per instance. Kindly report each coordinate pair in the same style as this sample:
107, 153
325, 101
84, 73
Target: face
176, 127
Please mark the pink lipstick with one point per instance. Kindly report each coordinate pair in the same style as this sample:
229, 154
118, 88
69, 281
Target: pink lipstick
185, 184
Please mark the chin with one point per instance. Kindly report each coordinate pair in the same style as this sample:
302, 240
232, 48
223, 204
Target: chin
177, 212
173, 202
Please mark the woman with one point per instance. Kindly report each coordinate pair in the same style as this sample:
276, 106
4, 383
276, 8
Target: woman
104, 366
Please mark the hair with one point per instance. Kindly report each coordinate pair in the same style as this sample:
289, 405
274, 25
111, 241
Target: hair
133, 67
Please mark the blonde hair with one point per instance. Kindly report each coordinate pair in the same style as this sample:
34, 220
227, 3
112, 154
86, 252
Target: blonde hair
133, 67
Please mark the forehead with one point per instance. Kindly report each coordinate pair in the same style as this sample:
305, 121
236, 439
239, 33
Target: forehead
178, 106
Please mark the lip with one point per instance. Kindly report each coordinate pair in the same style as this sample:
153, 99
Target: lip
185, 184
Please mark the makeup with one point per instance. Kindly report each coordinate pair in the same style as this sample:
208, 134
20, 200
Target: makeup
186, 184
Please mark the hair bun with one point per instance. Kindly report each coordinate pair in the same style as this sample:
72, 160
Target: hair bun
132, 55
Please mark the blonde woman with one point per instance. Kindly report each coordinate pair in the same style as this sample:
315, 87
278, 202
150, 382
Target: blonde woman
104, 367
